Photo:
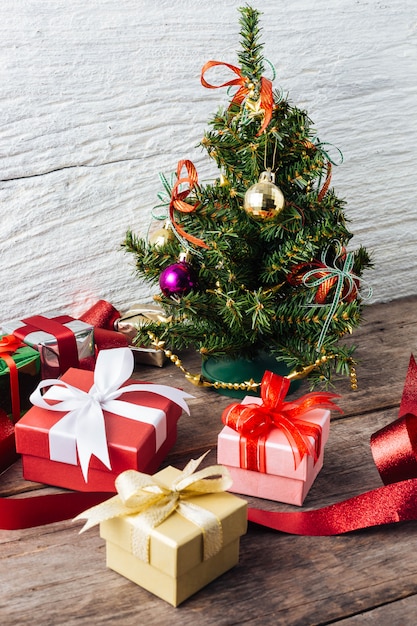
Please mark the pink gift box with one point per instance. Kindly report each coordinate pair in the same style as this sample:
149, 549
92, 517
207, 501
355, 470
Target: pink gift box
282, 482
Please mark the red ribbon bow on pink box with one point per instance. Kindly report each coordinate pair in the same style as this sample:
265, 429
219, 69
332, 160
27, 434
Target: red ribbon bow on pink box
253, 421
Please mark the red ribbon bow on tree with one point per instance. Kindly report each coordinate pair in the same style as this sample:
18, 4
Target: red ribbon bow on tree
254, 421
178, 196
8, 345
266, 98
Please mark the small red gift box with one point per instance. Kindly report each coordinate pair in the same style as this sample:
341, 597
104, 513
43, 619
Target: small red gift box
108, 424
7, 442
19, 375
274, 449
62, 341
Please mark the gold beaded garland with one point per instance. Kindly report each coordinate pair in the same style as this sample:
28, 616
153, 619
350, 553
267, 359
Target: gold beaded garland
248, 385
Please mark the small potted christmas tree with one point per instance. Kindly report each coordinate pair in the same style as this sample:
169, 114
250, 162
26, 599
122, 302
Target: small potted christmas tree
255, 263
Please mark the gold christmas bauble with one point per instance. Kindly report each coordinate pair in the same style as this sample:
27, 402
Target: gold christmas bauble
160, 237
264, 200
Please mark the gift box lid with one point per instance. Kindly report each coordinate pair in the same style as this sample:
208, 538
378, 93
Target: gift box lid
80, 329
131, 443
176, 545
278, 451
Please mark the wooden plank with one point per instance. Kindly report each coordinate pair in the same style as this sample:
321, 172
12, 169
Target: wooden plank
52, 575
402, 612
384, 343
301, 579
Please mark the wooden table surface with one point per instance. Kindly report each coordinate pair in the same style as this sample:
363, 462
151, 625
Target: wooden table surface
51, 575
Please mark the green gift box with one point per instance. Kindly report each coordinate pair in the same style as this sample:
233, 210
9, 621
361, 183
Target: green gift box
16, 386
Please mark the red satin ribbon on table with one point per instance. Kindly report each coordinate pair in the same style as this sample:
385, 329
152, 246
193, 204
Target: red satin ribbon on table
392, 503
67, 344
266, 95
178, 199
394, 449
8, 345
254, 421
17, 513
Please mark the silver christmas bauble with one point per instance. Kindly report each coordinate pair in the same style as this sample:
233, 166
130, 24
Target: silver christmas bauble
264, 200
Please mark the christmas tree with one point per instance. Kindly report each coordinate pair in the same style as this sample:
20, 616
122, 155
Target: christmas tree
256, 261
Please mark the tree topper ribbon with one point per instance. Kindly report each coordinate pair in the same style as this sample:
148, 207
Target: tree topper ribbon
254, 421
178, 196
325, 276
266, 98
148, 503
82, 428
8, 345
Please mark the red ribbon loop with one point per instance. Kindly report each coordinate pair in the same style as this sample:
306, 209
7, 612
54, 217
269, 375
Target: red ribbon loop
254, 421
394, 447
266, 97
178, 199
103, 316
394, 450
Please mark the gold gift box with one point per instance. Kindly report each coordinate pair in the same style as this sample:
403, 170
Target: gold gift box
176, 569
139, 315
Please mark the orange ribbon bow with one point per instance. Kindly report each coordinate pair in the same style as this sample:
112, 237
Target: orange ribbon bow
244, 84
178, 199
254, 421
8, 345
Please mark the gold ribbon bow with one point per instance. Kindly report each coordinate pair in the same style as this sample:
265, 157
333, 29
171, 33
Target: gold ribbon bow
148, 503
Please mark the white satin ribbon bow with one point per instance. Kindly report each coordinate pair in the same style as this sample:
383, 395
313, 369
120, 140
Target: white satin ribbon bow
83, 427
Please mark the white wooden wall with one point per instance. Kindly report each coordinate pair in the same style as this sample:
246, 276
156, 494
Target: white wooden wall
99, 96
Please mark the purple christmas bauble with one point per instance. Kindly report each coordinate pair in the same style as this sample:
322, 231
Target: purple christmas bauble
177, 279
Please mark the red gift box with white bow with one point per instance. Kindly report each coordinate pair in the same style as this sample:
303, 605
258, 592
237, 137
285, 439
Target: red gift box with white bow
89, 427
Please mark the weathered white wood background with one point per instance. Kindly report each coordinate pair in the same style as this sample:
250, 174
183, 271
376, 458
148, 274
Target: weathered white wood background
97, 97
